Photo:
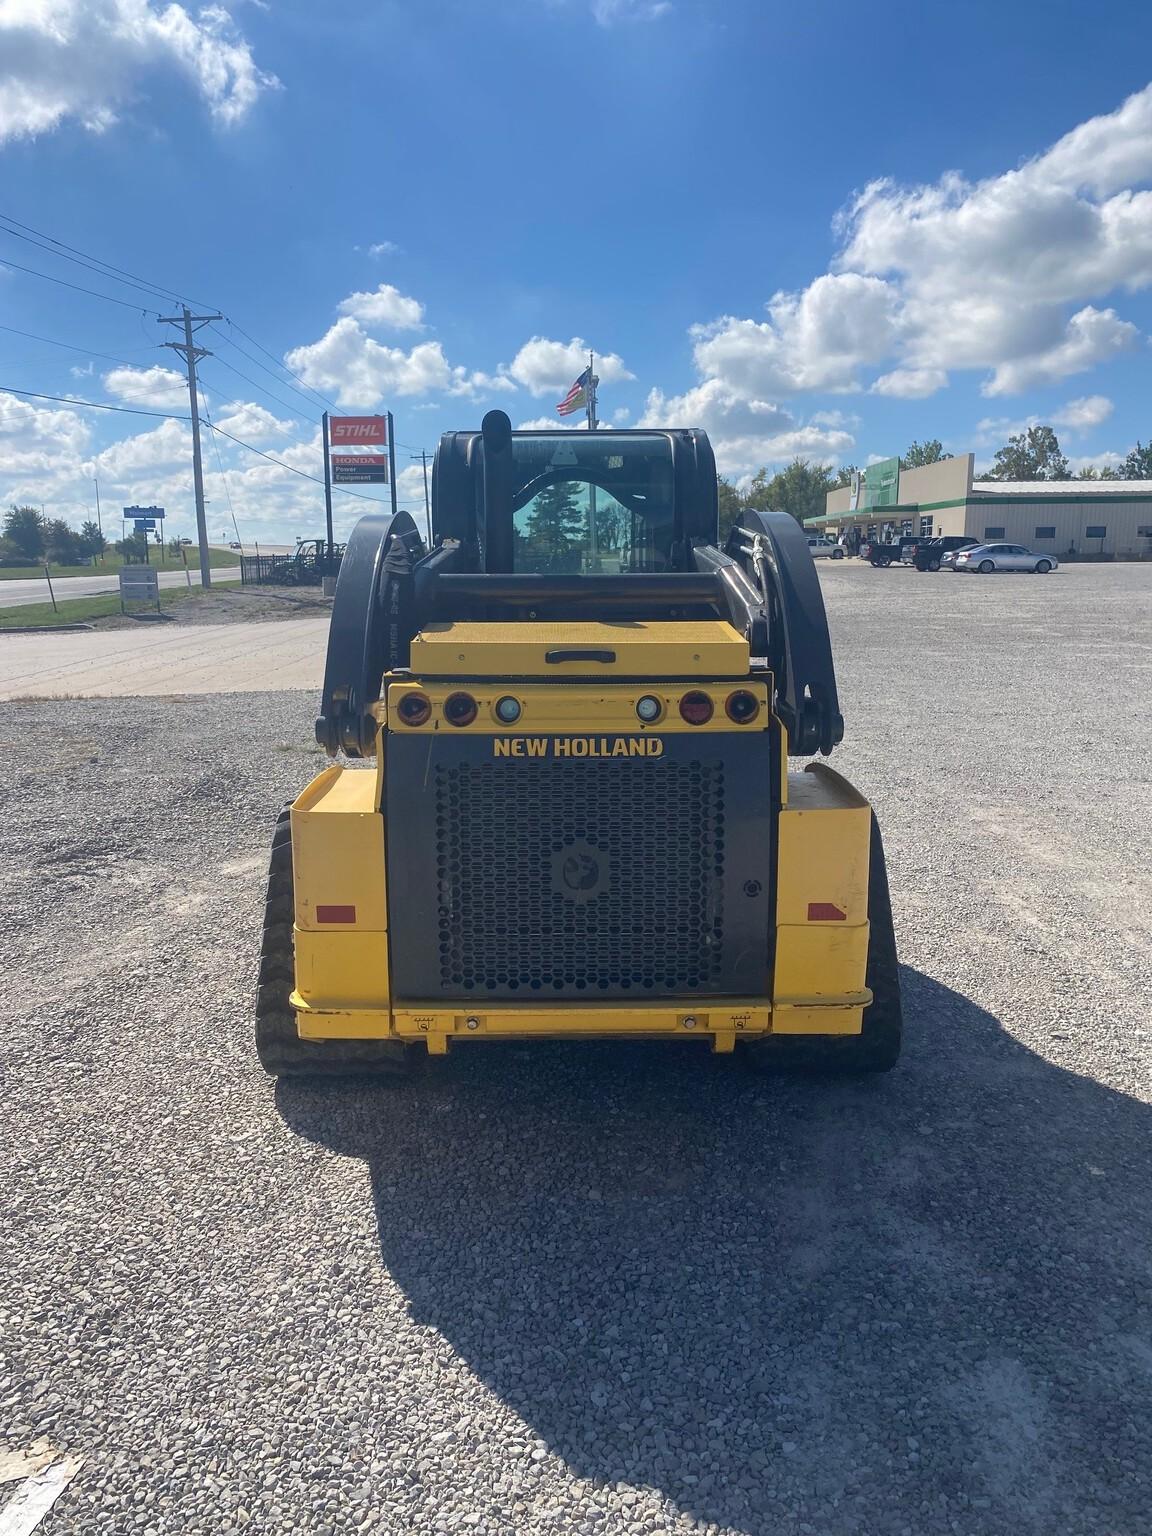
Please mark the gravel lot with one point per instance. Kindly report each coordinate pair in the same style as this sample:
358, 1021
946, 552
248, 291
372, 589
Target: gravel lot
609, 1290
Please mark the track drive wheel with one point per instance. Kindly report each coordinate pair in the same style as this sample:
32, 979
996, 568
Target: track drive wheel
877, 1047
278, 1044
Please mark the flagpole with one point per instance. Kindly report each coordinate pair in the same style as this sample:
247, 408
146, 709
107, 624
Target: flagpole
593, 550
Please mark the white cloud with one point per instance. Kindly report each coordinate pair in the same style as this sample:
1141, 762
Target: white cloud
911, 383
361, 371
33, 440
384, 308
364, 372
1083, 414
1080, 415
995, 275
621, 414
166, 446
84, 60
610, 12
384, 248
543, 366
161, 387
551, 424
1106, 460
817, 339
1091, 336
745, 434
246, 419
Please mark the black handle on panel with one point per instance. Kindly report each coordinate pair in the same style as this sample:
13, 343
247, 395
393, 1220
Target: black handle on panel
553, 657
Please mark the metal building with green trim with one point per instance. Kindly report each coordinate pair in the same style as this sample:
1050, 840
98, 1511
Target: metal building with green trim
1066, 518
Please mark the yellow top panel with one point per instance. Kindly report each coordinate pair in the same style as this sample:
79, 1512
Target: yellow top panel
565, 650
339, 790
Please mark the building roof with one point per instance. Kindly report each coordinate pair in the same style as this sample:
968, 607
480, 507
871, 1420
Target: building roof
1037, 489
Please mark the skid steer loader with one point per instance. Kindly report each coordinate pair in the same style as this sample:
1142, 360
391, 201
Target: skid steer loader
579, 819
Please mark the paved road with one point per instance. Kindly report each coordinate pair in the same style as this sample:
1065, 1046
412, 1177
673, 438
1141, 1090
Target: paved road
615, 1291
164, 659
14, 594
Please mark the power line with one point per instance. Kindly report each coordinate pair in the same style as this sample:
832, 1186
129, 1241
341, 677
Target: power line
280, 364
223, 476
93, 405
304, 475
76, 254
91, 292
121, 274
263, 388
91, 266
67, 346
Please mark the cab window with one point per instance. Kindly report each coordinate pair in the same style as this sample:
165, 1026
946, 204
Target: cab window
586, 503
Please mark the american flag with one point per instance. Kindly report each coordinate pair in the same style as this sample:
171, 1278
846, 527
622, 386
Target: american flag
577, 397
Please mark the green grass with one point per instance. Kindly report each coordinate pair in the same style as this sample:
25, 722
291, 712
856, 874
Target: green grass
218, 559
78, 610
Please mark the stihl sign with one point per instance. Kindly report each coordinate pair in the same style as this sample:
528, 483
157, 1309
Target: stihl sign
346, 430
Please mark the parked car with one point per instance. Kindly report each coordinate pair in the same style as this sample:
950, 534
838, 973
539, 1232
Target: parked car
986, 558
881, 555
929, 554
825, 548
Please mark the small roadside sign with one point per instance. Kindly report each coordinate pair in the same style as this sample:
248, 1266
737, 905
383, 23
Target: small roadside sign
360, 468
139, 584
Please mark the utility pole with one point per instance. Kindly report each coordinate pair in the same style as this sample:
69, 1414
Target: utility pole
423, 457
391, 457
192, 355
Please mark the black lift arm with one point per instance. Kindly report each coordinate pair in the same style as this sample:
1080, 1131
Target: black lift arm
370, 631
772, 548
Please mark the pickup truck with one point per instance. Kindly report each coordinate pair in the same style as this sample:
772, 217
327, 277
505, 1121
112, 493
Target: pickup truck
881, 555
926, 554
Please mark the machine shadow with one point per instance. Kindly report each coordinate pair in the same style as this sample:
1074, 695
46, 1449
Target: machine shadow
778, 1300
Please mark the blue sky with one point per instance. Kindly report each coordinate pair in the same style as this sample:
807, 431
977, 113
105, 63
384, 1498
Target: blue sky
823, 230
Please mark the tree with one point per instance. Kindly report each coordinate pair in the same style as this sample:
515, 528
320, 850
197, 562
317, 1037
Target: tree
846, 474
919, 454
24, 531
1031, 455
133, 550
799, 490
91, 538
556, 530
731, 505
62, 544
1138, 464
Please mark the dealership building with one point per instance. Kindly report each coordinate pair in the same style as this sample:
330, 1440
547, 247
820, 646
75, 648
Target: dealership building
1058, 517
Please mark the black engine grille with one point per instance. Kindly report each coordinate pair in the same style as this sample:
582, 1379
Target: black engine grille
580, 878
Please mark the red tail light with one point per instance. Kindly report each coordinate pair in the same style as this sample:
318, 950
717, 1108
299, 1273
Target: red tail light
696, 708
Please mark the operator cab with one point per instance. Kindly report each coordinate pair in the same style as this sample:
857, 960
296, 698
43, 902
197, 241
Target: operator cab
577, 527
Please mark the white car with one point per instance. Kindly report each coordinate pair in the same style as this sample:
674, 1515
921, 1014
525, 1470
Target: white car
822, 548
986, 558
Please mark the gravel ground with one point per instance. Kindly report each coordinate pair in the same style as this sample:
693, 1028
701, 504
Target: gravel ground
602, 1290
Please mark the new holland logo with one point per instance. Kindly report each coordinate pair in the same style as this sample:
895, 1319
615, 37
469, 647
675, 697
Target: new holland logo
577, 746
